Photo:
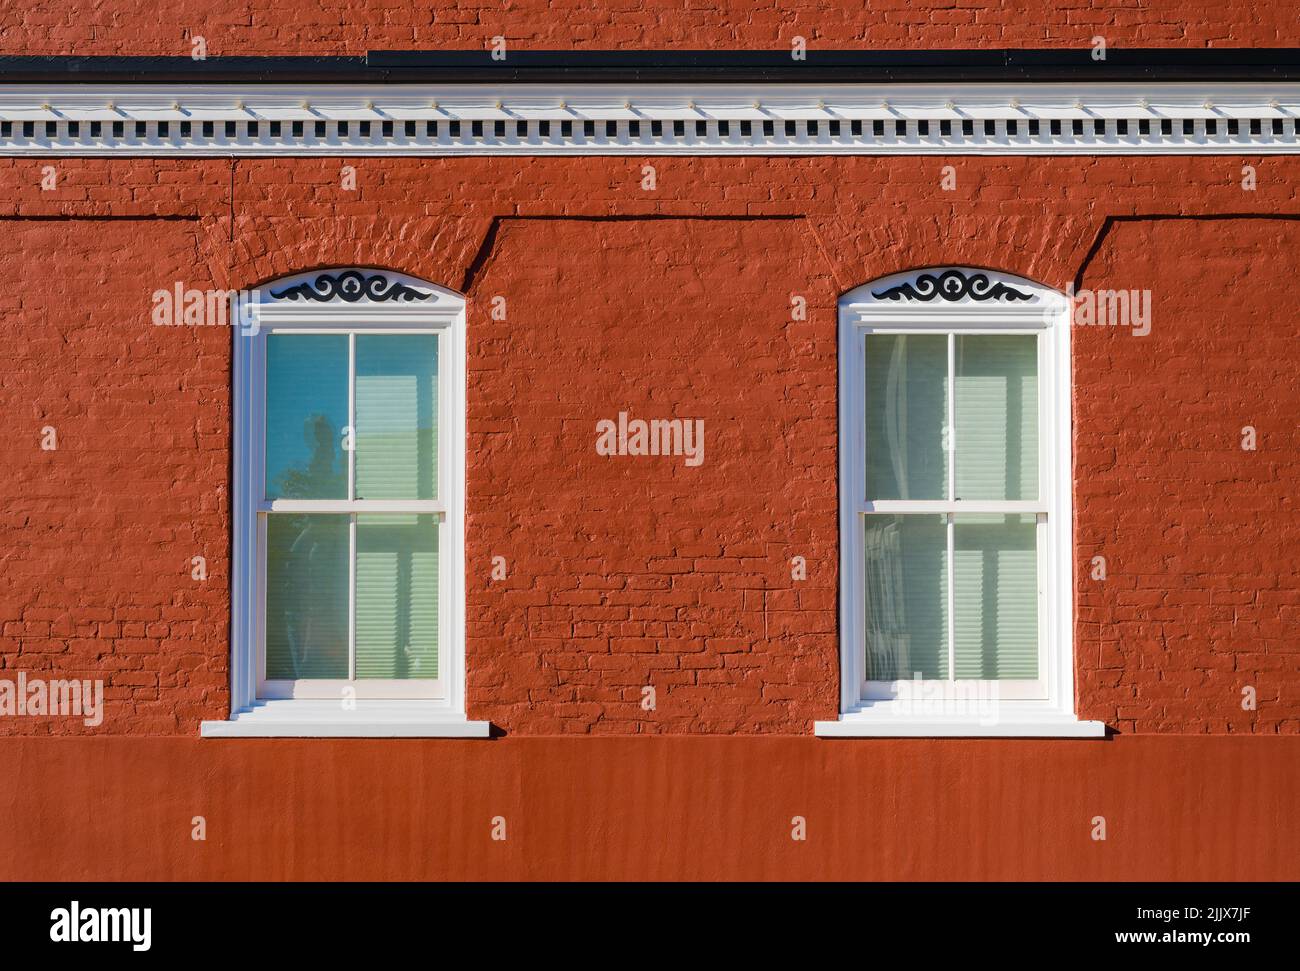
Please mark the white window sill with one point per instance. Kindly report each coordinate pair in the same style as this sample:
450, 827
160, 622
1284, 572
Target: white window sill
878, 721
300, 718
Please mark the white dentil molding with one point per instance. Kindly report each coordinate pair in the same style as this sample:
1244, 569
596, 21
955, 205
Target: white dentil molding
640, 119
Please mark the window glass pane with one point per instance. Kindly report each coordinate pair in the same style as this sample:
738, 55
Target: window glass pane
306, 412
306, 597
997, 416
907, 411
995, 597
397, 596
397, 416
907, 597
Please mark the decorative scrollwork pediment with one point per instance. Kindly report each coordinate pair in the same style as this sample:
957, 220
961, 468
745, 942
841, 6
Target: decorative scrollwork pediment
951, 286
351, 286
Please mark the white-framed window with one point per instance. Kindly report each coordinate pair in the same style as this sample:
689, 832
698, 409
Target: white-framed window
348, 566
955, 516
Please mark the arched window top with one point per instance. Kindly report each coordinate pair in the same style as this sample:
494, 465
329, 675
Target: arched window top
354, 284
383, 296
948, 294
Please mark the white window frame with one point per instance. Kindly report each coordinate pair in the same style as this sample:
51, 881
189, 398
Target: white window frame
906, 303
310, 708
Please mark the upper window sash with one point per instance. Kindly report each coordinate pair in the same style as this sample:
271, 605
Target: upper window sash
958, 496
352, 328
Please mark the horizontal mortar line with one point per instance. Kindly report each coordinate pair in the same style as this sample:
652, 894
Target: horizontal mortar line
116, 217
633, 217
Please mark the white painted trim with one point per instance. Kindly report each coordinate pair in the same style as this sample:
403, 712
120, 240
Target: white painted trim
700, 119
940, 506
442, 313
433, 507
898, 727
369, 688
327, 318
871, 309
325, 719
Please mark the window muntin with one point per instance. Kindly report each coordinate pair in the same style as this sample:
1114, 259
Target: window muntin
350, 521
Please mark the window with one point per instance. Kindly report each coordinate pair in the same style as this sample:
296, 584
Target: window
350, 514
349, 480
955, 509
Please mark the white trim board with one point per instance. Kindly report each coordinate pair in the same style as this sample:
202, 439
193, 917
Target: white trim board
702, 119
898, 727
319, 719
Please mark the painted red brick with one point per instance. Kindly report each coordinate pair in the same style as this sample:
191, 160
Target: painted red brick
625, 573
341, 27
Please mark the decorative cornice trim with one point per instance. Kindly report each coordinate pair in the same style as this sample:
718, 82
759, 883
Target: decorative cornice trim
650, 119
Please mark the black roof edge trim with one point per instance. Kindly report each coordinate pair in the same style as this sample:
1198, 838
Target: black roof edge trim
741, 67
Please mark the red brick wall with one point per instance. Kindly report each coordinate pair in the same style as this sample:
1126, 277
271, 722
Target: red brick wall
98, 533
346, 27
1201, 537
628, 572
631, 572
